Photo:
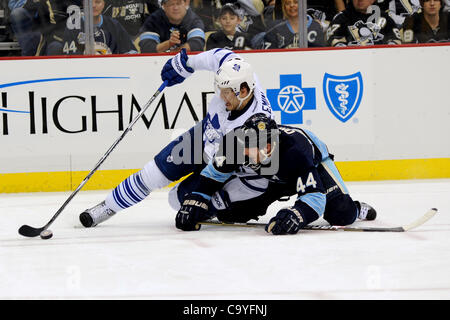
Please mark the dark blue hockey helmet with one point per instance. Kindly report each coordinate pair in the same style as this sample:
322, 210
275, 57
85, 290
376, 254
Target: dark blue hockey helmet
258, 132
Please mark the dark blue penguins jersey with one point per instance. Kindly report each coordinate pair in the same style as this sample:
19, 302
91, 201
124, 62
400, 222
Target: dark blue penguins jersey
110, 37
353, 28
293, 166
240, 41
417, 30
282, 36
157, 29
398, 10
130, 13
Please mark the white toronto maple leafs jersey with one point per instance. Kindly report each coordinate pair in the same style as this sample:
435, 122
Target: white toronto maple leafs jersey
218, 120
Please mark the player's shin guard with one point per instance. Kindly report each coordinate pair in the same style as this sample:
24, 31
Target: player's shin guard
128, 193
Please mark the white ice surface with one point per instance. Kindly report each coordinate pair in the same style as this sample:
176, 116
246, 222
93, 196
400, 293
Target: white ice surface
139, 254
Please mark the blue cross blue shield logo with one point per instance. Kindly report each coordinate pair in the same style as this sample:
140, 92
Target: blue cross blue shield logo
292, 99
343, 94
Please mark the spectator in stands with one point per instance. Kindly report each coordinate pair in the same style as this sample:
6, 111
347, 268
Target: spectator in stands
110, 37
321, 10
398, 10
325, 10
356, 27
252, 21
270, 14
286, 33
171, 28
23, 20
228, 37
446, 6
130, 13
431, 25
207, 10
52, 15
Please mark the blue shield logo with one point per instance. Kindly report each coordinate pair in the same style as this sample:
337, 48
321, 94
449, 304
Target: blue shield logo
343, 94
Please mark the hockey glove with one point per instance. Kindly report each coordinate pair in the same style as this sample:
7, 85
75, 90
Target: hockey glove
193, 210
287, 221
176, 69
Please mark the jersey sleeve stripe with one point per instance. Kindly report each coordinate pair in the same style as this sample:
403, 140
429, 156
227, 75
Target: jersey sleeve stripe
203, 195
332, 170
150, 36
316, 201
197, 32
210, 172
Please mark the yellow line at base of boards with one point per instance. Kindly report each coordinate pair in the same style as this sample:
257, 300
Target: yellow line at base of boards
436, 168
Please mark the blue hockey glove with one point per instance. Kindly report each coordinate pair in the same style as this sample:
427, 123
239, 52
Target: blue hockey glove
287, 221
193, 210
176, 69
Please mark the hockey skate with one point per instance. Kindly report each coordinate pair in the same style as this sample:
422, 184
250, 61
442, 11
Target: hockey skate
95, 215
365, 211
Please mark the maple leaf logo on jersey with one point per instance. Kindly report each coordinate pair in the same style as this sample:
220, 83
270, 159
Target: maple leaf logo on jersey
220, 160
211, 128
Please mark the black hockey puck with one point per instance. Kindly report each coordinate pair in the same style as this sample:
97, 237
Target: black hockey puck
46, 234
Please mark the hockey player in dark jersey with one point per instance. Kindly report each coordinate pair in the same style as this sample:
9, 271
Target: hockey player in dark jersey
431, 25
171, 28
109, 36
228, 38
294, 161
362, 23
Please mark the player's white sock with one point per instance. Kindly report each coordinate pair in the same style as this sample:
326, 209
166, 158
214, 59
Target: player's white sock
136, 187
128, 193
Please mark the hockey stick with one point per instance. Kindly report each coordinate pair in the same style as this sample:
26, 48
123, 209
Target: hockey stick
427, 216
28, 231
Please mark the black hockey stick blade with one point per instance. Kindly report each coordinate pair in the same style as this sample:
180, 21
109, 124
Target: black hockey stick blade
427, 216
31, 232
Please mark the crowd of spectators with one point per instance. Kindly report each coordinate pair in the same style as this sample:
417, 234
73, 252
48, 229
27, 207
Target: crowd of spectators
56, 27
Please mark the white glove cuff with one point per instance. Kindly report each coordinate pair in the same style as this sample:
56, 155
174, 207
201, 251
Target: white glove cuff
178, 66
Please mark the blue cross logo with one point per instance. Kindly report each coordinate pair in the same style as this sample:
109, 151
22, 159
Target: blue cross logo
291, 99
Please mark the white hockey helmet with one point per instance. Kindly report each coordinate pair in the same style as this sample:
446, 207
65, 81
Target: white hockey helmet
232, 74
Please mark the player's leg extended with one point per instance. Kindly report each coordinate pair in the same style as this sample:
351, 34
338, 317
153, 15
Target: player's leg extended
167, 166
341, 209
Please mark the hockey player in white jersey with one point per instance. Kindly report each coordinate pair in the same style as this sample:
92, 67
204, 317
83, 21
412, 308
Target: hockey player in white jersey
238, 96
